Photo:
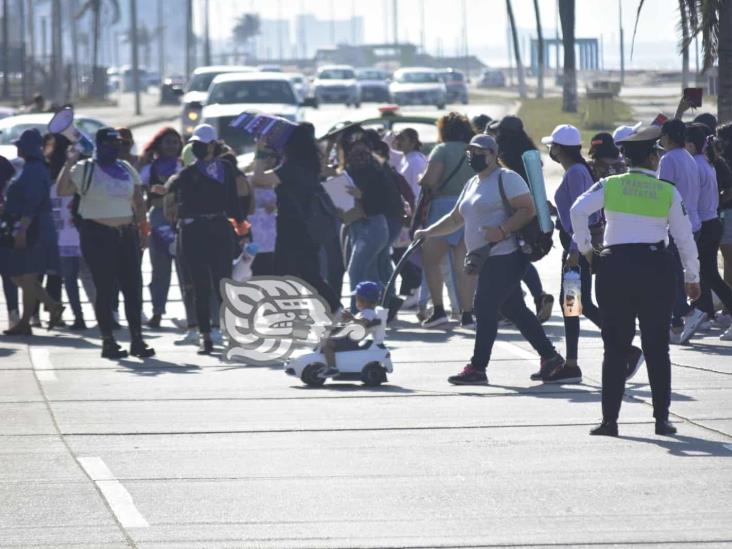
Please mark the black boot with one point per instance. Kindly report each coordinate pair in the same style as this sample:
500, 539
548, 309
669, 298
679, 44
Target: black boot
140, 349
606, 429
110, 349
664, 427
206, 346
154, 322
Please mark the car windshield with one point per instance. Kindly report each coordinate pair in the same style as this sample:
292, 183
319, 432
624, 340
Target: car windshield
11, 132
453, 77
336, 74
252, 91
370, 75
201, 82
417, 78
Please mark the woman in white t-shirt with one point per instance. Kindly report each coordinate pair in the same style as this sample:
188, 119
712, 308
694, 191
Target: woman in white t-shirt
481, 210
113, 227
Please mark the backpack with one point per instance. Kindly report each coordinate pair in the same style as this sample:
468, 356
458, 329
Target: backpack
320, 217
534, 243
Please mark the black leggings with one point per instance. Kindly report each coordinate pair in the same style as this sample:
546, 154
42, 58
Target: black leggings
114, 259
207, 246
589, 309
708, 245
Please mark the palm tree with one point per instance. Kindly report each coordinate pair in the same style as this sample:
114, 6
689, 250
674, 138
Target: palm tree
713, 20
540, 48
569, 69
95, 7
684, 28
516, 51
246, 28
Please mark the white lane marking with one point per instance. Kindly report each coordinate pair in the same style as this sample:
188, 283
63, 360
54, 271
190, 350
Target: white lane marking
728, 446
41, 361
517, 351
119, 499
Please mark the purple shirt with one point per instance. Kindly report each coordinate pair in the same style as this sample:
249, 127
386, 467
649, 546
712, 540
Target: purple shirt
708, 190
679, 167
577, 179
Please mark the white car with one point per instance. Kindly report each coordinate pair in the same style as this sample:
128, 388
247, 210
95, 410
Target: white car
369, 364
337, 84
266, 92
12, 126
301, 85
195, 93
374, 85
417, 86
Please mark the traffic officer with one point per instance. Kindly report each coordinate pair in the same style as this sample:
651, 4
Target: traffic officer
635, 271
203, 197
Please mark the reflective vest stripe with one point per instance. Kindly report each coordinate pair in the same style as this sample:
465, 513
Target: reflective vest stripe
638, 194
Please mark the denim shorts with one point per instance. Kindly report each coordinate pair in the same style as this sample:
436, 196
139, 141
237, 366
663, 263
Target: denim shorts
727, 226
439, 208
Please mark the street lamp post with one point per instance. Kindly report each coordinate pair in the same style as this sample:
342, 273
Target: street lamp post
135, 58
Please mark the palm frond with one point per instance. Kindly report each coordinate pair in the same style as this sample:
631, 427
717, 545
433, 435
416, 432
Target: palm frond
88, 6
116, 10
635, 26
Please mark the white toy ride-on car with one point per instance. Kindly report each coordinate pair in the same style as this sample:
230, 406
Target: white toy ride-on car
369, 363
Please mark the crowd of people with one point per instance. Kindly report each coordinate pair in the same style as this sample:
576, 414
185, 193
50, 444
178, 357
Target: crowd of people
69, 218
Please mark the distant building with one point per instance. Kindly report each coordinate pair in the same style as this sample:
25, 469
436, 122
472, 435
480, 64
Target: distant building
312, 34
274, 40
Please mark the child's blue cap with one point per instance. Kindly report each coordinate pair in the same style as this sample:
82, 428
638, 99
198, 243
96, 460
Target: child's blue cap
369, 291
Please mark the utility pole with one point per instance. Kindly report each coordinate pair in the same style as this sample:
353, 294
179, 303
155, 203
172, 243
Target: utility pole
395, 21
75, 47
206, 35
135, 57
422, 42
6, 52
622, 43
23, 71
161, 40
189, 38
57, 54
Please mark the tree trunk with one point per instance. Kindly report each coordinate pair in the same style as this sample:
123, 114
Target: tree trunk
684, 20
161, 40
189, 39
569, 90
31, 47
135, 56
724, 93
540, 44
75, 48
97, 14
516, 52
57, 55
6, 52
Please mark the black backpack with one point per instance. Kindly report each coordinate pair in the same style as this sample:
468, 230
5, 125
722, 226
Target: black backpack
534, 243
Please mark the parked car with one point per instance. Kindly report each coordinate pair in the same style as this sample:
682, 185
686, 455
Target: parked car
457, 88
269, 68
492, 78
171, 89
418, 86
196, 93
6, 111
231, 94
12, 126
373, 84
301, 85
337, 84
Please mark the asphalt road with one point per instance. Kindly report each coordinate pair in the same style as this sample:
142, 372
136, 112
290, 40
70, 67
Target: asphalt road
187, 451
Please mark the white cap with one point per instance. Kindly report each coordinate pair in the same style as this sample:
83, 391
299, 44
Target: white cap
204, 133
621, 132
564, 134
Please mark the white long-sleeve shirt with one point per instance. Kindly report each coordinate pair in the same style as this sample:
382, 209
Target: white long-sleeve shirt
639, 209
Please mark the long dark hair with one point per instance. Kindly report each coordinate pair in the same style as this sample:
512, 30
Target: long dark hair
302, 150
511, 145
57, 158
724, 132
154, 144
574, 152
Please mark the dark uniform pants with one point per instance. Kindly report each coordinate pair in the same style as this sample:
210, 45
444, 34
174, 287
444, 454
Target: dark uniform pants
635, 281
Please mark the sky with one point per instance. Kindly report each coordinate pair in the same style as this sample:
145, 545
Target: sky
486, 24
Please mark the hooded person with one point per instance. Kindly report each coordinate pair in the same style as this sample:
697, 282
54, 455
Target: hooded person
113, 230
35, 248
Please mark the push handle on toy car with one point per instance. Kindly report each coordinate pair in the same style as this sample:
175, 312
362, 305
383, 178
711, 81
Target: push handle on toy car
410, 249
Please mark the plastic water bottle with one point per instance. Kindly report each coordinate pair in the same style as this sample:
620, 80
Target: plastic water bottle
572, 293
242, 270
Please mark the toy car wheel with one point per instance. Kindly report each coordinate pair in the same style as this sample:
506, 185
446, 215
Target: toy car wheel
372, 374
310, 375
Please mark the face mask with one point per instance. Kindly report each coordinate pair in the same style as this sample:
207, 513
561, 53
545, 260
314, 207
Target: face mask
477, 162
553, 156
107, 153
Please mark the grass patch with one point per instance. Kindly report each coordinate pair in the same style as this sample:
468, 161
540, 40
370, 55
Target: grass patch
541, 116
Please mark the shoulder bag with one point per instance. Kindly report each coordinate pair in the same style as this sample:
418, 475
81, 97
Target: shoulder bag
422, 209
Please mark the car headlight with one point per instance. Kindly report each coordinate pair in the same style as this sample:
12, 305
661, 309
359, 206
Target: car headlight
193, 115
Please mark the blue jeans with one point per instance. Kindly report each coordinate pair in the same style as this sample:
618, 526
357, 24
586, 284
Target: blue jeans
368, 239
161, 262
499, 287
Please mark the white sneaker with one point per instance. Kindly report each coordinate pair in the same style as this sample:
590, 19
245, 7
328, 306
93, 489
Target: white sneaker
691, 324
180, 323
191, 338
13, 318
727, 335
216, 336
